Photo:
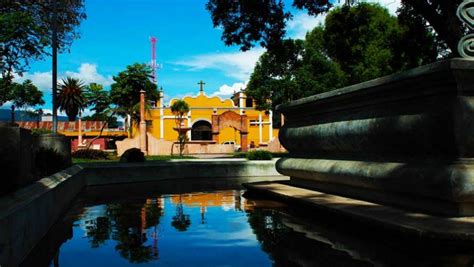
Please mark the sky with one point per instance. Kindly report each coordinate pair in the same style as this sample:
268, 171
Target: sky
189, 49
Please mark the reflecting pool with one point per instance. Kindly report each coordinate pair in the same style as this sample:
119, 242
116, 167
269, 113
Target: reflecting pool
222, 228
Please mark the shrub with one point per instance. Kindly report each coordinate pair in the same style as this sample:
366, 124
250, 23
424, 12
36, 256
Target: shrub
132, 155
40, 131
49, 161
259, 155
90, 154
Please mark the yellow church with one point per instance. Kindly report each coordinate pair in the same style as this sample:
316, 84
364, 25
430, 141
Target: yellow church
215, 125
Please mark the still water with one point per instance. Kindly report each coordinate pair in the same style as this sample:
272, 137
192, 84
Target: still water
221, 228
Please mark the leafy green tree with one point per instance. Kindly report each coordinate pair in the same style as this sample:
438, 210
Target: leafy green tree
101, 104
338, 54
367, 42
97, 98
248, 23
25, 31
441, 16
300, 70
418, 43
71, 97
180, 109
359, 39
274, 76
125, 91
25, 95
6, 88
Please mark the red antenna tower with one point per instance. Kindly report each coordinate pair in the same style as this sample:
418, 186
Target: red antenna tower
153, 58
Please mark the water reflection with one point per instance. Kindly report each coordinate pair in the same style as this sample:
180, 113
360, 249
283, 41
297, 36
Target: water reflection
223, 228
181, 221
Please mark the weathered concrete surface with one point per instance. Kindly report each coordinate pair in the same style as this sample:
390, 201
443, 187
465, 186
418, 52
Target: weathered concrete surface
407, 136
16, 159
113, 173
27, 214
411, 223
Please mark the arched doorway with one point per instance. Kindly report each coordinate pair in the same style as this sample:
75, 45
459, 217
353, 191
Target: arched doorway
233, 120
201, 130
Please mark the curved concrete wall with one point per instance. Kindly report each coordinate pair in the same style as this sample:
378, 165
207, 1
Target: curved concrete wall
409, 135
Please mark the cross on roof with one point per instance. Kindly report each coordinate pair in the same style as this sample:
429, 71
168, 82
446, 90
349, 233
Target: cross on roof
201, 85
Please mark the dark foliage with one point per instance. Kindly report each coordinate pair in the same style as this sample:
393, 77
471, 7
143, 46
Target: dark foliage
25, 31
132, 155
248, 23
49, 161
259, 155
90, 154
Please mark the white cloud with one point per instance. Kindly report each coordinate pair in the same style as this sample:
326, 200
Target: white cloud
43, 80
391, 5
238, 65
87, 72
303, 23
227, 91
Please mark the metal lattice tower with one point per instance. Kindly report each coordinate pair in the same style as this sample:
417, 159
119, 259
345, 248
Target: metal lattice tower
153, 58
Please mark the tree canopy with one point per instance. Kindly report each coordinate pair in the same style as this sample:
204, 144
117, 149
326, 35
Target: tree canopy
248, 23
22, 95
25, 30
125, 91
101, 104
26, 94
337, 55
97, 98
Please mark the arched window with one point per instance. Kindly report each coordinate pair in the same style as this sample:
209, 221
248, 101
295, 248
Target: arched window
202, 130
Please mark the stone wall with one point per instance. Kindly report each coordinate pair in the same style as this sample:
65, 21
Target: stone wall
27, 214
405, 139
163, 147
17, 155
16, 158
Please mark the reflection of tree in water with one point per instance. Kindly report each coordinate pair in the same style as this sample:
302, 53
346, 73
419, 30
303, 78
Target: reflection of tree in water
289, 248
98, 231
126, 223
180, 221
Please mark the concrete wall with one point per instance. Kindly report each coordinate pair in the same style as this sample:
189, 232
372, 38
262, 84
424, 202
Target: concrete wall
16, 158
112, 173
164, 147
409, 136
27, 214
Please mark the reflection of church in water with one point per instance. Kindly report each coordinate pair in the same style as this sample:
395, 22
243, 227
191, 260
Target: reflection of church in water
226, 200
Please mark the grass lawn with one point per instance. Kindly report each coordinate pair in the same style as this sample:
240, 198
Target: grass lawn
274, 154
114, 158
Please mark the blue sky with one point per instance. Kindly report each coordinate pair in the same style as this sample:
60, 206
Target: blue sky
116, 34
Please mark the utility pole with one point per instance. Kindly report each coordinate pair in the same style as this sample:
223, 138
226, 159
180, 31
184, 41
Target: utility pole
54, 28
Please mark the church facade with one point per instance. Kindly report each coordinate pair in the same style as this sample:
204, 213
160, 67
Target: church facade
212, 120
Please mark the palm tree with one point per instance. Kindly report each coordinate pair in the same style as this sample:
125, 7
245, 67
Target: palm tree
180, 109
71, 97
